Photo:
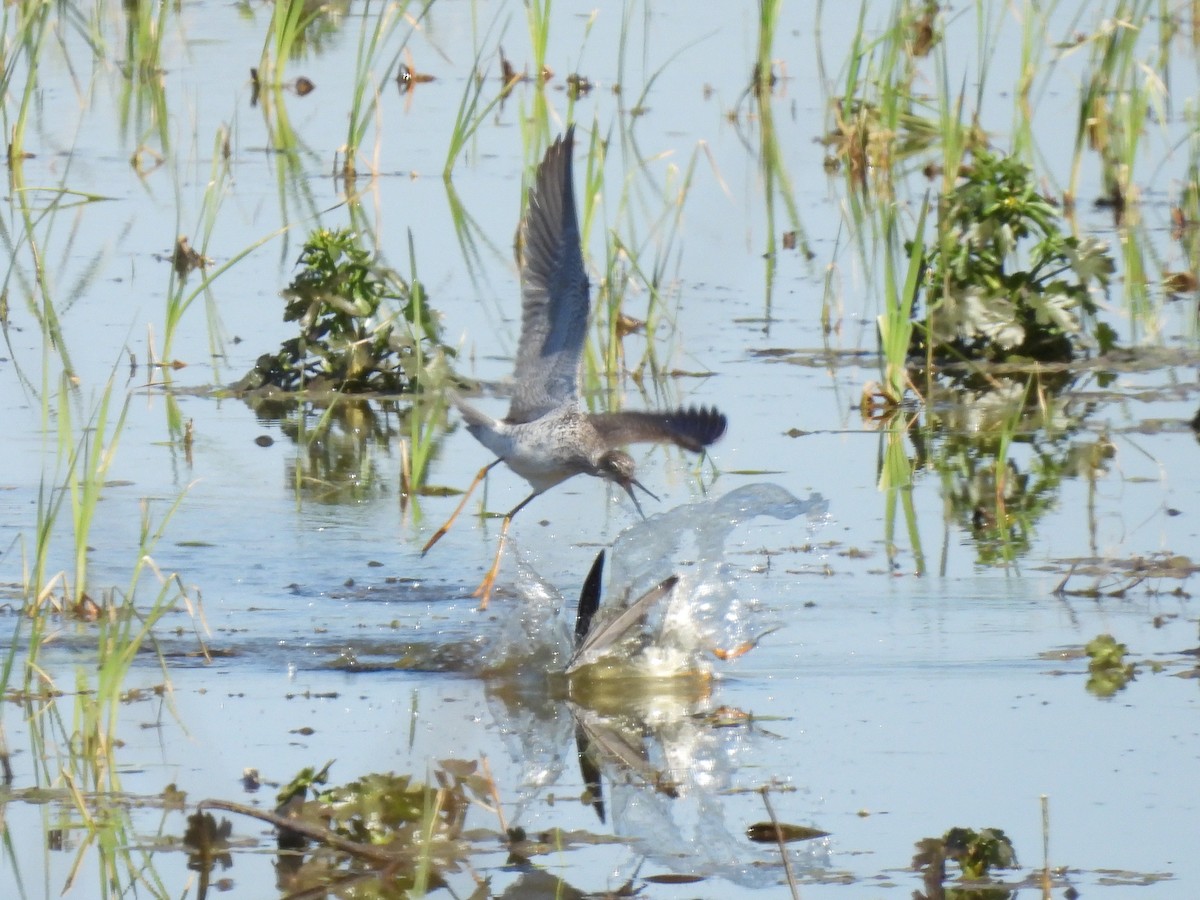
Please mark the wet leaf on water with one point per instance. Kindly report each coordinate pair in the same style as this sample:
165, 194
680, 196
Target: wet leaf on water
460, 768
439, 490
184, 258
173, 798
730, 653
578, 85
1180, 282
1126, 877
674, 878
726, 717
770, 833
1062, 654
557, 839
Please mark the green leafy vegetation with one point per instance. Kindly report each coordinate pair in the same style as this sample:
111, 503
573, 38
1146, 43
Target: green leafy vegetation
1003, 279
977, 853
402, 831
362, 328
1108, 673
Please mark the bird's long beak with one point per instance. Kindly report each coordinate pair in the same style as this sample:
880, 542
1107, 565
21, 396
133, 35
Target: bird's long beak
629, 486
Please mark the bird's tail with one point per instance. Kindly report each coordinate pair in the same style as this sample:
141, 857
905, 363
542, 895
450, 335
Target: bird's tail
474, 418
483, 427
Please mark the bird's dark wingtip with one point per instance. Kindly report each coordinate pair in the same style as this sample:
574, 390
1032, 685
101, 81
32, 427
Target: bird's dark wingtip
563, 144
705, 424
589, 599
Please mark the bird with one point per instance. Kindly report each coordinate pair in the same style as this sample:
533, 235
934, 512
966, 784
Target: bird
547, 435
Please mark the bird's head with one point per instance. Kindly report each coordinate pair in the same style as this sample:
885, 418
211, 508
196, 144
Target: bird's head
618, 467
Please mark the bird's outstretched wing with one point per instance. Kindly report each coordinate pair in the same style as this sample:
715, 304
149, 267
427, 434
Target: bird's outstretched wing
554, 291
598, 640
693, 428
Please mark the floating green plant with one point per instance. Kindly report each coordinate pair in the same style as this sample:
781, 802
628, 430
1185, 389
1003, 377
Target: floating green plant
1108, 672
977, 854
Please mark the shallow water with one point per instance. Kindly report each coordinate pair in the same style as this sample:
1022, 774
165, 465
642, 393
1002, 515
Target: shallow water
885, 709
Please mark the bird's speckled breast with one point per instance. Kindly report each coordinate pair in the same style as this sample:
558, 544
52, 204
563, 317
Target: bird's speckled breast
553, 448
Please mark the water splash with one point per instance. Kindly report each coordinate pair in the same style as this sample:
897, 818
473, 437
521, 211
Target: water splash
712, 608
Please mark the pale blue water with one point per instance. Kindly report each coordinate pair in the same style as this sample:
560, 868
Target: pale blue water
891, 707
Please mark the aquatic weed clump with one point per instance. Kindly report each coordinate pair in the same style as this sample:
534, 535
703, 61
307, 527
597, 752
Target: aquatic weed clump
363, 329
1003, 281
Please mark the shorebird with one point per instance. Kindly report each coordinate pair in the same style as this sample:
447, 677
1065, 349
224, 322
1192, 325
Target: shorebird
547, 435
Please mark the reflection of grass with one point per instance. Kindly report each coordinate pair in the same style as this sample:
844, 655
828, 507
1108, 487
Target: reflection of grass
994, 493
364, 101
31, 29
143, 98
896, 481
896, 322
773, 169
121, 622
642, 254
292, 159
472, 109
775, 181
178, 298
472, 239
86, 461
426, 422
293, 24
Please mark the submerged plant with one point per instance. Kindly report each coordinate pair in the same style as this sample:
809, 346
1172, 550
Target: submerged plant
362, 328
1003, 279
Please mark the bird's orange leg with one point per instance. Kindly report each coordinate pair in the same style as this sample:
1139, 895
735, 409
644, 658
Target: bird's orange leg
484, 591
437, 535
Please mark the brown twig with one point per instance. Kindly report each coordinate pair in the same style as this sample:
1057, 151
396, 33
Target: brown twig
787, 865
312, 832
